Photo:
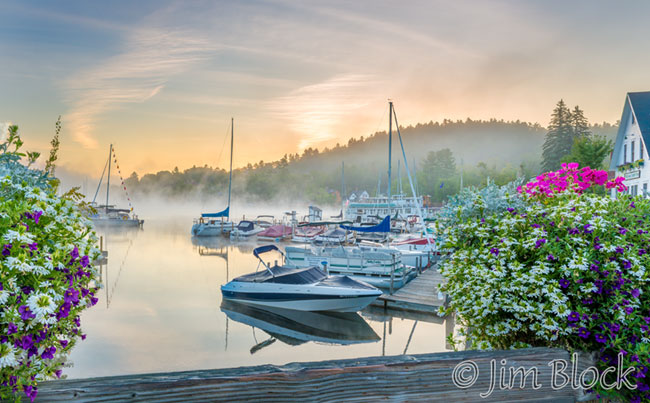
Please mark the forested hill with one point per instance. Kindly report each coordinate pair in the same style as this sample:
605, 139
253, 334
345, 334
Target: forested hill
495, 148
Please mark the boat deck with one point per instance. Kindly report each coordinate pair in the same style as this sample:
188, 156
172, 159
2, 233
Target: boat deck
419, 295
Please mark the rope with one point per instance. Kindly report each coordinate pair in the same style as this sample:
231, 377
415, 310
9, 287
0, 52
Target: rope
122, 180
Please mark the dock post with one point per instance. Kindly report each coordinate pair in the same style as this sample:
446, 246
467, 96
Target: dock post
101, 243
392, 275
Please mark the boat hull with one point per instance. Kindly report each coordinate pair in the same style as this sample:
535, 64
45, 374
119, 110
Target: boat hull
117, 222
216, 229
301, 298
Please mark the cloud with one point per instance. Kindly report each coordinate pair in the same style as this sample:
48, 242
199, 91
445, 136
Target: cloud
151, 57
316, 111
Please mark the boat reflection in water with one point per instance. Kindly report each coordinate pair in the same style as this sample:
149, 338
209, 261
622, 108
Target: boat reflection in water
298, 327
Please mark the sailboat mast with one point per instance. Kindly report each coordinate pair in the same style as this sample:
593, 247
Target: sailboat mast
342, 182
232, 138
108, 177
390, 142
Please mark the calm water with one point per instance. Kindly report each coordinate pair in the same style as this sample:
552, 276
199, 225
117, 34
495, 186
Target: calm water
161, 311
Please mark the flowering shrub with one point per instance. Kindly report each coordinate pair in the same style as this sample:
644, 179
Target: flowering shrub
46, 276
566, 270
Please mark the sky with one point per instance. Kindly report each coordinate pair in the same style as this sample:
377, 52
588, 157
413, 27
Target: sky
160, 80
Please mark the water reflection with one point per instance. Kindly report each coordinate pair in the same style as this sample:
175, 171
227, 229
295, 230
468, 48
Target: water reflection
297, 327
164, 313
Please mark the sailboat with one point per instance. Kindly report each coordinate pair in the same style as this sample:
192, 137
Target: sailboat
107, 214
215, 224
369, 210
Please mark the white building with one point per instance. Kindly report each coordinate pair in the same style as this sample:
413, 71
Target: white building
630, 152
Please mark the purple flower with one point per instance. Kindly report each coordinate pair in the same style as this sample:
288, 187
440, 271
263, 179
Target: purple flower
75, 253
12, 328
33, 246
587, 229
25, 313
550, 258
6, 249
26, 342
37, 216
540, 242
64, 343
615, 328
629, 310
587, 301
619, 249
85, 261
600, 338
71, 296
598, 246
622, 230
642, 252
64, 311
48, 353
583, 332
494, 251
644, 328
573, 317
574, 231
564, 283
635, 292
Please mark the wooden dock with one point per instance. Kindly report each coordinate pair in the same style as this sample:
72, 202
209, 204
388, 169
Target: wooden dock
418, 377
419, 295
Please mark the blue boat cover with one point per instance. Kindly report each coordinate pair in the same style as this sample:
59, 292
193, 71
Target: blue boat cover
285, 275
224, 213
263, 249
383, 226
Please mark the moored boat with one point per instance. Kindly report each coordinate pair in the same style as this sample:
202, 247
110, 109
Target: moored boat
304, 289
244, 230
379, 268
275, 233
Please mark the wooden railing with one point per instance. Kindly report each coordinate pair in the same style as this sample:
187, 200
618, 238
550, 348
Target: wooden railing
422, 377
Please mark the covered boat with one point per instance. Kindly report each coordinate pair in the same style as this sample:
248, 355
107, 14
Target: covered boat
275, 233
303, 289
334, 236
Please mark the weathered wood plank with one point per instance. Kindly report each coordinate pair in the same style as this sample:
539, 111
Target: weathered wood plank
423, 377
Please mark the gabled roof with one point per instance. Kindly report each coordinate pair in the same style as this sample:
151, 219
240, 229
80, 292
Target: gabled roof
639, 104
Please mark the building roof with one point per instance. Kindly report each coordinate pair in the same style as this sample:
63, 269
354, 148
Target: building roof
637, 103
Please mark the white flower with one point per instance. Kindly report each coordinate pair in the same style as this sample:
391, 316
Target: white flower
41, 304
7, 356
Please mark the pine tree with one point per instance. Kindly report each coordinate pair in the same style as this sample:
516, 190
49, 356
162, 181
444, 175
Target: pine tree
559, 138
579, 123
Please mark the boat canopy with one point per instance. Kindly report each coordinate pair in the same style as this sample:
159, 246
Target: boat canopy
224, 213
285, 275
383, 226
245, 226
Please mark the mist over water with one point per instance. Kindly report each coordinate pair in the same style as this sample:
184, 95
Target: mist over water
159, 310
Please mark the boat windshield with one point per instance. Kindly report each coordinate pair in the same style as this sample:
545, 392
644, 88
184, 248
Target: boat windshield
285, 275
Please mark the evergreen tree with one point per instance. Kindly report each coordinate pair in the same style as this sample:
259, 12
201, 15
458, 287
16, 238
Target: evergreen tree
579, 123
559, 138
590, 152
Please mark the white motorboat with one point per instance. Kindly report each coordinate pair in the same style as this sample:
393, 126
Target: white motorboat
378, 267
303, 289
334, 236
244, 230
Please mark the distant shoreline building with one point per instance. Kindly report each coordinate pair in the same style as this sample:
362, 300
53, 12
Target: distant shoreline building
630, 152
